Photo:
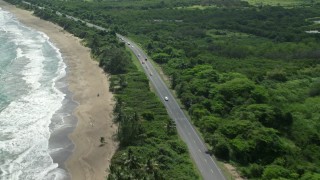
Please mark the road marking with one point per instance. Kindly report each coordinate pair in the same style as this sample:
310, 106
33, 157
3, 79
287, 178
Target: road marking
199, 150
217, 167
194, 141
212, 171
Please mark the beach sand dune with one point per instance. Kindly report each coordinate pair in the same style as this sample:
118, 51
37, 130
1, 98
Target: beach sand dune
89, 159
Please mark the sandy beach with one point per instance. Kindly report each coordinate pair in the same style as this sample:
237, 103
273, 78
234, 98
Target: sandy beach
89, 159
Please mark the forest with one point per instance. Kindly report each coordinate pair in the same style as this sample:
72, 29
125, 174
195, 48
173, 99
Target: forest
248, 76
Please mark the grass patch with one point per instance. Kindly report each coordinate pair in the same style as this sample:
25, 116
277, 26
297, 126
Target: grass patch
285, 3
200, 7
235, 37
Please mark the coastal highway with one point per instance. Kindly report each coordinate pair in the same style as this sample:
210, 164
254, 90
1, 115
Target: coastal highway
198, 150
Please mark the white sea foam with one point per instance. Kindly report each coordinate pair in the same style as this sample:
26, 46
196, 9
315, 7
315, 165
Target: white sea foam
19, 53
24, 153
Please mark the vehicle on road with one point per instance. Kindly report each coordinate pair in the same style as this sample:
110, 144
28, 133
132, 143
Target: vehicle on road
128, 43
166, 98
151, 74
146, 59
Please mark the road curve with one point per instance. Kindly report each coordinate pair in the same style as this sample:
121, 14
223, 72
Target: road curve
198, 150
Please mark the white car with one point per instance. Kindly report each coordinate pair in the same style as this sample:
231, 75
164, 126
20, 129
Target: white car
166, 98
128, 43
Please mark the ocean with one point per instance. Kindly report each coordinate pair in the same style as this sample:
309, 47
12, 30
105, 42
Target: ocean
35, 105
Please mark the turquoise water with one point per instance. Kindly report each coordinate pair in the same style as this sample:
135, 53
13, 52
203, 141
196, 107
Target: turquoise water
31, 96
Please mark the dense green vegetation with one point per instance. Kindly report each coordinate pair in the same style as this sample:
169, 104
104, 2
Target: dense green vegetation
250, 91
249, 76
149, 144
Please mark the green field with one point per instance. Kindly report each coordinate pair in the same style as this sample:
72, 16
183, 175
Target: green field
200, 7
285, 3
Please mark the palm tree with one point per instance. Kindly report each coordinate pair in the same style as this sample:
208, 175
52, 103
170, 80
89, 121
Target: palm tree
132, 162
152, 167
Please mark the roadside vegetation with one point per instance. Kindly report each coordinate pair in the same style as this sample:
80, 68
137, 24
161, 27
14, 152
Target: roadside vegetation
249, 77
149, 145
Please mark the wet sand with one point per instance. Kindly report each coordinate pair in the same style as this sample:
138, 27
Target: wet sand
89, 160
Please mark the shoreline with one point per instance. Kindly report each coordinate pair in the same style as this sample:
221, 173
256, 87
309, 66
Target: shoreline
85, 80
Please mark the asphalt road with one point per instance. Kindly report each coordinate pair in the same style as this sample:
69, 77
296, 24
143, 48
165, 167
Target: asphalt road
198, 150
